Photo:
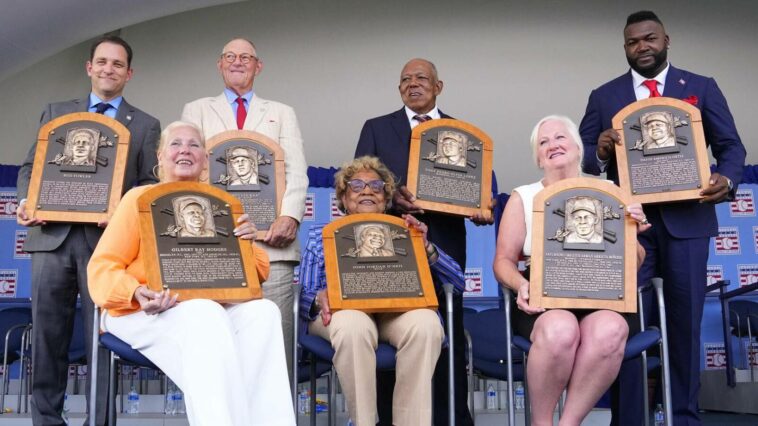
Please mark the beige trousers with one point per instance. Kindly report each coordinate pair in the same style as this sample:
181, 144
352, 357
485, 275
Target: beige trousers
354, 335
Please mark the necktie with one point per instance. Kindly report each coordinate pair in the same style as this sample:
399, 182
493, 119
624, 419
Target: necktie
241, 113
652, 85
422, 118
102, 107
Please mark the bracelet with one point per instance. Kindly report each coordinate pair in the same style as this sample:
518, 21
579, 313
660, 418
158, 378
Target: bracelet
431, 252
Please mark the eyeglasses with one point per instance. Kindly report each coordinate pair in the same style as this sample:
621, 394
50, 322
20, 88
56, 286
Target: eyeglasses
245, 58
357, 185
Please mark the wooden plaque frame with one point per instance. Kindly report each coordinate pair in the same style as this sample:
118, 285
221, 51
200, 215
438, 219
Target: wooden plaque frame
485, 169
398, 304
537, 296
47, 133
692, 115
248, 289
278, 164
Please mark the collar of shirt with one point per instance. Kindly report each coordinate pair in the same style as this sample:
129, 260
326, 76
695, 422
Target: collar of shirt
231, 97
434, 114
110, 112
641, 91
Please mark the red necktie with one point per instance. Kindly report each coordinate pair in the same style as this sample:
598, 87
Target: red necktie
422, 118
241, 113
652, 85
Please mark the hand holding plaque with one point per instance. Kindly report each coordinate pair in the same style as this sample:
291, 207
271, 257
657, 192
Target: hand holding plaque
375, 263
78, 171
250, 166
583, 247
191, 243
450, 168
662, 156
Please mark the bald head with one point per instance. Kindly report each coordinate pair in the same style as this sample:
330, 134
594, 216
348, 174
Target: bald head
419, 85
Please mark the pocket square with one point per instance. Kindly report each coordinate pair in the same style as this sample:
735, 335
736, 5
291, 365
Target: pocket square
692, 100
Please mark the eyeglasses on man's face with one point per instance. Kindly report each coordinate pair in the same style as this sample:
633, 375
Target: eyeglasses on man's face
245, 58
357, 185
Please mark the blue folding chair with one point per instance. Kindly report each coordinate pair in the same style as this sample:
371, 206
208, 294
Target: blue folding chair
120, 353
15, 326
636, 347
319, 349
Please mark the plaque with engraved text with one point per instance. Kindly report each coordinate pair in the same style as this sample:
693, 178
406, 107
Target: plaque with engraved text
583, 247
78, 171
374, 263
662, 156
450, 168
249, 166
187, 233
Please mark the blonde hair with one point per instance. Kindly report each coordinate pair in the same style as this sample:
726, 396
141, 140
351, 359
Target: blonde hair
572, 130
365, 163
166, 134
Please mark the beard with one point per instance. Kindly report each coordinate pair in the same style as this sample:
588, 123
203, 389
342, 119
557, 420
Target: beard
652, 69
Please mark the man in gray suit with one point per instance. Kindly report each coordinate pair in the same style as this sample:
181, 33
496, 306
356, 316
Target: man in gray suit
61, 251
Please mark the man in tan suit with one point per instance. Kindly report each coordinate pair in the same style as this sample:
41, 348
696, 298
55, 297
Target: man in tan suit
238, 107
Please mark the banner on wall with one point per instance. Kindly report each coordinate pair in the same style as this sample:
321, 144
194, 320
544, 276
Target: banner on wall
715, 356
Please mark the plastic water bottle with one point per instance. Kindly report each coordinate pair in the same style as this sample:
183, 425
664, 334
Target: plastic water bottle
179, 407
658, 417
304, 402
64, 414
133, 402
170, 406
519, 397
491, 398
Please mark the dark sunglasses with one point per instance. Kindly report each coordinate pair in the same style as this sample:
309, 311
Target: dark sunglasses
357, 185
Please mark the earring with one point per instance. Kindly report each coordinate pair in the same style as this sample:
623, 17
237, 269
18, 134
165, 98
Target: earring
156, 171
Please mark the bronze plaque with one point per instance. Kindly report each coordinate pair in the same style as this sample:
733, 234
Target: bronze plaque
78, 171
187, 232
450, 168
662, 156
583, 247
374, 263
249, 166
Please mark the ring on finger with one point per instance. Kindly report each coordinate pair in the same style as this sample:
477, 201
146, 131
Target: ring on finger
644, 221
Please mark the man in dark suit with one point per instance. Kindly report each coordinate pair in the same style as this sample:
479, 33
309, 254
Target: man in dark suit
388, 137
61, 251
677, 244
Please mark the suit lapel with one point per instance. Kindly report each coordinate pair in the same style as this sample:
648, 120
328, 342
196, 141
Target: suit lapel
125, 113
401, 126
82, 105
256, 112
675, 84
626, 93
223, 110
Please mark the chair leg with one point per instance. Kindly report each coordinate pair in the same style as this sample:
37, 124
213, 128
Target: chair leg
645, 396
111, 391
295, 323
470, 376
451, 353
509, 358
527, 404
22, 371
332, 398
669, 413
313, 390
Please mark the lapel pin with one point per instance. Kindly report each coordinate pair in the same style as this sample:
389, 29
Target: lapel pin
681, 81
128, 117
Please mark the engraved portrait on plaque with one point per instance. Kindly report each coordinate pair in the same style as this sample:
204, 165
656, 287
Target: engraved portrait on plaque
662, 156
374, 263
251, 167
450, 167
80, 150
374, 240
193, 218
451, 149
583, 248
242, 166
79, 167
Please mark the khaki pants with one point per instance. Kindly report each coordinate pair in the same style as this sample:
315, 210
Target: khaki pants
354, 335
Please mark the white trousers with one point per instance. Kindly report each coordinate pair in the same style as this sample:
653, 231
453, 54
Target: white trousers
228, 359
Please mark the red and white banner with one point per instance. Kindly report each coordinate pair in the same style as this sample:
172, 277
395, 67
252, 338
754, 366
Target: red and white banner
8, 280
748, 274
743, 204
310, 207
728, 240
473, 278
8, 205
715, 273
715, 356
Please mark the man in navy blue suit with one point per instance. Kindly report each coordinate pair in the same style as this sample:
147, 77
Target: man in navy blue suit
388, 137
677, 244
